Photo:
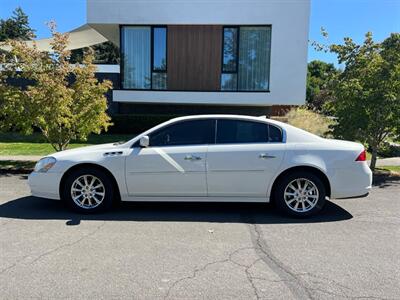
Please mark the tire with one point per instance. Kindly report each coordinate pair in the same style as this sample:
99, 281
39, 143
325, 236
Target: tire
95, 196
294, 201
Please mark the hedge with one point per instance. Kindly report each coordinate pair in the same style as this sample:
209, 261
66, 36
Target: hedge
134, 124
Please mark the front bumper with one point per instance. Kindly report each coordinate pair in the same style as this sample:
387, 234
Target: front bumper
45, 185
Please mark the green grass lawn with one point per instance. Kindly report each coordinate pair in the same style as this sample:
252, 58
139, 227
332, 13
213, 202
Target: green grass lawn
35, 144
395, 169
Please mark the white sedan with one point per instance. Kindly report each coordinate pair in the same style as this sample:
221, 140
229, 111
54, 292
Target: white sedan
208, 158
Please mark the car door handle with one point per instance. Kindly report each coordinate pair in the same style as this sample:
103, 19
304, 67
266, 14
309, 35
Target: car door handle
265, 156
192, 157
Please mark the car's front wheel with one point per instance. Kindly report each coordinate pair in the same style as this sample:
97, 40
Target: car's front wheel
88, 191
300, 194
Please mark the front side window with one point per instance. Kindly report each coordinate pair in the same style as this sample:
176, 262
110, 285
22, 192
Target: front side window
246, 58
196, 132
239, 132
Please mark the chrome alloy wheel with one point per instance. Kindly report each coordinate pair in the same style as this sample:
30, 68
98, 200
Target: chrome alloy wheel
301, 195
87, 191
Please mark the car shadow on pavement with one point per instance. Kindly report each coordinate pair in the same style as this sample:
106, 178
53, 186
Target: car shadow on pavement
384, 180
33, 208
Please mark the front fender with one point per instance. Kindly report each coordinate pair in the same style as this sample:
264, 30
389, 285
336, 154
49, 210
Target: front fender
113, 164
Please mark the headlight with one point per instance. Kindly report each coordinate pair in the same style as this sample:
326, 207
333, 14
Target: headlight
45, 164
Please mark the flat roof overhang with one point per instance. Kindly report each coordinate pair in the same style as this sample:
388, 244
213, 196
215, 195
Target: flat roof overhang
81, 37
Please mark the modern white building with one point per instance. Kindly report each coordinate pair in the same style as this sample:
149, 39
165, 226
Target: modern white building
201, 56
207, 52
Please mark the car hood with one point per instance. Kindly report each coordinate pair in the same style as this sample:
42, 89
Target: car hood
84, 150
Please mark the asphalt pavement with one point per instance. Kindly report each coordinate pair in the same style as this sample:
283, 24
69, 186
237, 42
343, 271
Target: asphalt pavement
198, 251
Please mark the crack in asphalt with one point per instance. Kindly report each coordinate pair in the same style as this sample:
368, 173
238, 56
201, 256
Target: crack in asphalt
300, 288
13, 265
46, 253
205, 266
324, 280
65, 245
251, 279
348, 297
297, 286
195, 272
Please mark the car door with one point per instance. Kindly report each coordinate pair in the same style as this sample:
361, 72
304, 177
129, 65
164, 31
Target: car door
244, 159
174, 163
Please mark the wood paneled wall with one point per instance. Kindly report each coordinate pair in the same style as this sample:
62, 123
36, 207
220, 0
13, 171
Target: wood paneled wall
194, 57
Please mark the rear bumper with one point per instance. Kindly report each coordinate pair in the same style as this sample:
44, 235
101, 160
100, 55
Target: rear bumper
361, 196
352, 182
45, 185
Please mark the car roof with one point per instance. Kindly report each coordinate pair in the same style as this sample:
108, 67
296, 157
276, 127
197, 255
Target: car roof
290, 133
228, 116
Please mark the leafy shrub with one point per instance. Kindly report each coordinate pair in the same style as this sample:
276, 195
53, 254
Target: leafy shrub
389, 150
309, 121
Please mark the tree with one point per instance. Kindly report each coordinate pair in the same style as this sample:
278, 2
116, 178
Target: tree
61, 108
16, 27
367, 92
319, 75
104, 53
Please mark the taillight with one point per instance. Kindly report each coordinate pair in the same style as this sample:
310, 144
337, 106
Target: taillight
362, 156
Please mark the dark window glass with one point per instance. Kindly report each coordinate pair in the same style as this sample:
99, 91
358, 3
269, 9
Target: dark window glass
246, 58
194, 132
229, 82
230, 50
159, 81
235, 131
159, 49
275, 134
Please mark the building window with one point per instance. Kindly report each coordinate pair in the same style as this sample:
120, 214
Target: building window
246, 58
144, 52
159, 66
136, 57
230, 50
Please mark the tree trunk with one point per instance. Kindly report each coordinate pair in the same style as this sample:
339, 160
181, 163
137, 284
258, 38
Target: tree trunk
373, 158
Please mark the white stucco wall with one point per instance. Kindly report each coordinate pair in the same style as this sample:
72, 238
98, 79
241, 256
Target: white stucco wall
289, 20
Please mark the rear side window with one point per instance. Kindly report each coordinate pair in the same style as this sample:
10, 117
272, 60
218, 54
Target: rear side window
236, 131
240, 132
196, 132
275, 134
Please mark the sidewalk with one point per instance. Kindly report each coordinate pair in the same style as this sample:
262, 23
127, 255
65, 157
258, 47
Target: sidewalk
392, 161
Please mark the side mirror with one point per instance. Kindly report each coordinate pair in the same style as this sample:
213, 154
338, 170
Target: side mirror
144, 141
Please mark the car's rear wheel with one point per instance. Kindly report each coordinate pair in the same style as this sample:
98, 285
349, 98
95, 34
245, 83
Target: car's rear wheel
300, 194
88, 191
